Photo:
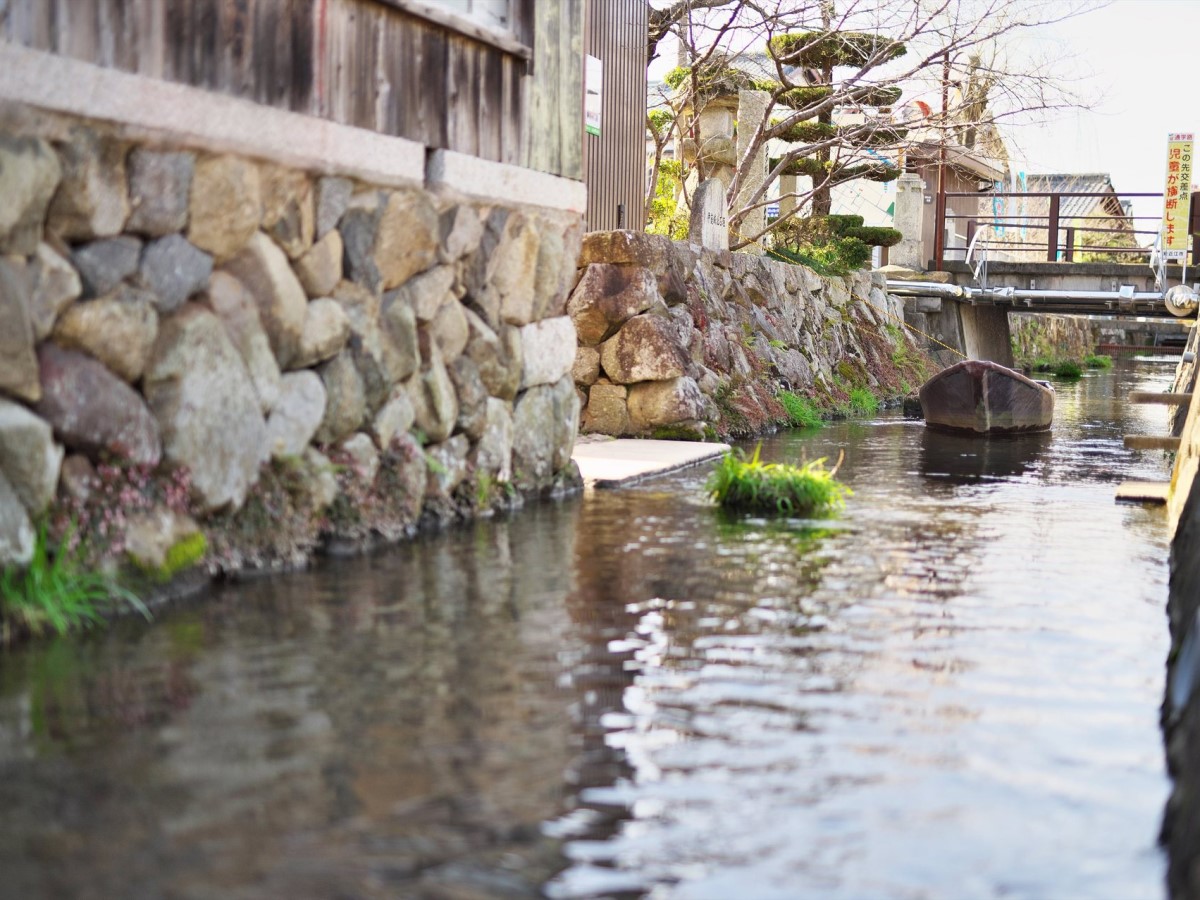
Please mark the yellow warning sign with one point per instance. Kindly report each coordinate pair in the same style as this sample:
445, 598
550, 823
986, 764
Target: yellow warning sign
1177, 197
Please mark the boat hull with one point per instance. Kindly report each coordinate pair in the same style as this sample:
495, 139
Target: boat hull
980, 398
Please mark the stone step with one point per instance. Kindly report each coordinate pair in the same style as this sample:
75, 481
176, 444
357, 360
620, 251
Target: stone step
1164, 397
1151, 442
1143, 491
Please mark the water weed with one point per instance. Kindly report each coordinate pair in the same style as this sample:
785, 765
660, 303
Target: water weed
1068, 368
56, 594
801, 412
751, 484
1098, 361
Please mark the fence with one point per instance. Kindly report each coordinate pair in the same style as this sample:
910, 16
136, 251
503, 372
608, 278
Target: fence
1053, 227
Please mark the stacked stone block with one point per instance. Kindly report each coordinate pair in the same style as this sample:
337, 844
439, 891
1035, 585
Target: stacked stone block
165, 307
666, 328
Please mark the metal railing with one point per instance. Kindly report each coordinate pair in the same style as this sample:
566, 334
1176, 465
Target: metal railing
1045, 233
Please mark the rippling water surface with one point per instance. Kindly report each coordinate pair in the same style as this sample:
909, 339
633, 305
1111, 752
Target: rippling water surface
951, 690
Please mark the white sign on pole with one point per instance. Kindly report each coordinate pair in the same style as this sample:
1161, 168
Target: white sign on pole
593, 94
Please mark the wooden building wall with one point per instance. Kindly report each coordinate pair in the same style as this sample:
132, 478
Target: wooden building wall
375, 64
615, 161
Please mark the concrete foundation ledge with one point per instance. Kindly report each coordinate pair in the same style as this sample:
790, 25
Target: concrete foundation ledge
482, 178
179, 114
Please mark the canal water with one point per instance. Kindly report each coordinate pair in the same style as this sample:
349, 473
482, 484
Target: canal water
950, 690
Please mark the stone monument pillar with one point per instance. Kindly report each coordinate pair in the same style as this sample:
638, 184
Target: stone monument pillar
709, 224
909, 219
752, 110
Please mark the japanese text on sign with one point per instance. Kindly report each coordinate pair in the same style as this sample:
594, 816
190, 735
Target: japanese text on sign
1177, 197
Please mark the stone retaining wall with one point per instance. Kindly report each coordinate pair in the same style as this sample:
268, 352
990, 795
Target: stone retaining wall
679, 341
276, 358
1053, 338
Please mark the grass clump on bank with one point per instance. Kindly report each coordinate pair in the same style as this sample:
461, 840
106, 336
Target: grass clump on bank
751, 484
56, 593
801, 412
1098, 361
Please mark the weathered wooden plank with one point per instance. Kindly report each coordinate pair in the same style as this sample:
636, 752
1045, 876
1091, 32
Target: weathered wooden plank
1151, 442
462, 95
1144, 491
1162, 397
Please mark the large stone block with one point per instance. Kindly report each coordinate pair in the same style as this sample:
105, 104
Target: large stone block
408, 237
394, 418
29, 457
382, 341
492, 454
174, 270
607, 296
479, 266
514, 270
320, 269
297, 414
92, 201
499, 361
435, 402
472, 397
118, 329
545, 422
359, 227
104, 264
225, 205
450, 330
607, 410
461, 230
18, 365
160, 185
345, 405
332, 199
93, 411
326, 331
654, 403
29, 175
586, 368
288, 209
17, 536
54, 285
428, 292
645, 349
557, 257
207, 409
236, 308
447, 466
548, 351
282, 304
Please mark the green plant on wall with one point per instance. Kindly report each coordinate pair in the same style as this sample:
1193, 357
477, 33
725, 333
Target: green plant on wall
56, 594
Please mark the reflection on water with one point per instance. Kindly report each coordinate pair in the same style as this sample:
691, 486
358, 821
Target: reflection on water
950, 690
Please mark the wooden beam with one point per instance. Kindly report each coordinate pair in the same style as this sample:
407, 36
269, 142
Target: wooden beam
1164, 397
464, 26
1151, 442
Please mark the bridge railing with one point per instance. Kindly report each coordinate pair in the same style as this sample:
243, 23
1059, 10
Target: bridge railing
1070, 226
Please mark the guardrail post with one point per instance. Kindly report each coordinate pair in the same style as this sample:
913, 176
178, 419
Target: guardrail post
939, 236
1069, 254
1052, 232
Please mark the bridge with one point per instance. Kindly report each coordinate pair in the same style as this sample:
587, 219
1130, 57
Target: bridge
986, 264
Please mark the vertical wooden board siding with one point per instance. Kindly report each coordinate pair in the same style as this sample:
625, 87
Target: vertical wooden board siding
358, 62
615, 161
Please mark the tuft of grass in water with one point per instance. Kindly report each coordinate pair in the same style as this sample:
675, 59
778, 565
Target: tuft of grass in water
863, 402
1098, 361
801, 412
1042, 364
751, 484
55, 594
1068, 368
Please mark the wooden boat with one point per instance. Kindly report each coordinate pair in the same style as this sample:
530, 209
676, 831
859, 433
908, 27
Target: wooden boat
980, 397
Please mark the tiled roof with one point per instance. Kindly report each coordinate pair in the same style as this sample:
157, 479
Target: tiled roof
1082, 183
